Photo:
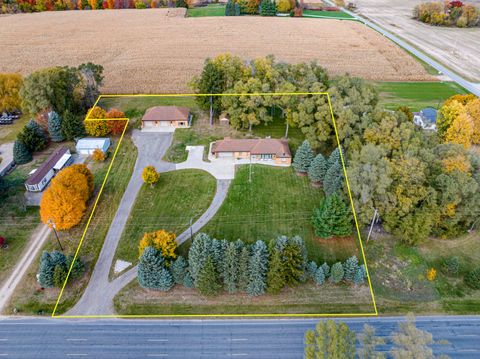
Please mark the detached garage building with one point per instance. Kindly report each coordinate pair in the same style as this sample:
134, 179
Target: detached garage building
166, 118
86, 146
58, 160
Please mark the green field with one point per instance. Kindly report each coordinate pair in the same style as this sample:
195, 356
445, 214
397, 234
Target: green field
209, 10
327, 14
416, 95
27, 298
276, 202
177, 198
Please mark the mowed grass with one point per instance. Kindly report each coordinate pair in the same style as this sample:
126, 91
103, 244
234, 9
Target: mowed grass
209, 10
8, 133
327, 14
28, 298
276, 202
416, 95
177, 198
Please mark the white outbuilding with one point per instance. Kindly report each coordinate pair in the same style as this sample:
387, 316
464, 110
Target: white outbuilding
86, 146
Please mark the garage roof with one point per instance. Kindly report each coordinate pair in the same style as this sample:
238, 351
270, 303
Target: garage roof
254, 146
166, 113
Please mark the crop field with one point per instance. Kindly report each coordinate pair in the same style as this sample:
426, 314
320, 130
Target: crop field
147, 51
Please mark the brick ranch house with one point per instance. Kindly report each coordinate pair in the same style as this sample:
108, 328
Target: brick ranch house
166, 118
261, 150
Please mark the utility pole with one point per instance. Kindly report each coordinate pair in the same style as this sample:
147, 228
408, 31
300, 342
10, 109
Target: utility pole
52, 225
375, 214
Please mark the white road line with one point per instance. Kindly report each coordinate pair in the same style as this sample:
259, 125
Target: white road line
76, 340
3, 355
76, 355
3, 340
239, 339
157, 340
239, 354
157, 355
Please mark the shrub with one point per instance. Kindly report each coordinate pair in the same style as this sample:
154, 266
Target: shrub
337, 273
454, 13
150, 175
179, 270
319, 276
350, 268
451, 265
284, 6
311, 269
431, 274
472, 279
98, 155
139, 4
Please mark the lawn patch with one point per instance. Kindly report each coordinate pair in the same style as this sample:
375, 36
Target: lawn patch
328, 14
209, 10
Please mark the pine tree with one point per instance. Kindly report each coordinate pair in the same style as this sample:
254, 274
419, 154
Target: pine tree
237, 9
78, 267
198, 253
293, 264
165, 280
319, 276
318, 169
45, 271
55, 127
275, 276
332, 218
149, 268
335, 157
229, 8
243, 265
21, 154
59, 275
207, 281
333, 179
350, 268
337, 273
311, 269
218, 255
230, 268
33, 137
326, 269
179, 270
359, 277
72, 126
188, 280
257, 269
303, 157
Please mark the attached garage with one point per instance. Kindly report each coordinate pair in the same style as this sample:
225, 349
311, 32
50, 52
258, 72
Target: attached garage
166, 118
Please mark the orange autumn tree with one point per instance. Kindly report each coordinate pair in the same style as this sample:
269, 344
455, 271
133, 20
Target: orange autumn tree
116, 126
96, 128
98, 155
162, 241
65, 201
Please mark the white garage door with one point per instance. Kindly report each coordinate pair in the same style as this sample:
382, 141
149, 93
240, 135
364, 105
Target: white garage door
225, 154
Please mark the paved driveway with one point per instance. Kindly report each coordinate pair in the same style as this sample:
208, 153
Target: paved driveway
220, 169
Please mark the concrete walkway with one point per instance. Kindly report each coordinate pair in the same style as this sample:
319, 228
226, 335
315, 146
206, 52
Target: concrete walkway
98, 296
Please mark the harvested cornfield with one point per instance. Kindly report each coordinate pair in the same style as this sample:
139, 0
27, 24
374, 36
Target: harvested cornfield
146, 51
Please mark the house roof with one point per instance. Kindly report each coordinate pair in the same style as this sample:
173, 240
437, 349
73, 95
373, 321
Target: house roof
91, 142
46, 166
430, 114
254, 146
166, 113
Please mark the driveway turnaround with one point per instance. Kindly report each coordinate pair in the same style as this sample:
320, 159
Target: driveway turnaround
98, 296
221, 170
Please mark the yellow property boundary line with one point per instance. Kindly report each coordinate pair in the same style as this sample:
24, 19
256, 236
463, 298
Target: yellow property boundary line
375, 313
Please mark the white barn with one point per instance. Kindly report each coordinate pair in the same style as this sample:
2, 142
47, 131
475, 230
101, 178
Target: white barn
86, 146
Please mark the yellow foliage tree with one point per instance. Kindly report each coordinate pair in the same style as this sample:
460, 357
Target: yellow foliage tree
150, 175
10, 85
463, 99
71, 179
448, 113
473, 110
98, 155
431, 274
96, 128
162, 241
460, 131
63, 206
284, 5
456, 163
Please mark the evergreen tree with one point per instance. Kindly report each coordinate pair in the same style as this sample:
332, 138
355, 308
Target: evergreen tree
319, 276
78, 267
165, 280
230, 273
72, 126
332, 218
207, 281
33, 137
350, 268
198, 253
335, 157
40, 132
258, 268
326, 269
179, 270
218, 255
337, 273
55, 127
303, 157
243, 265
318, 169
359, 277
149, 269
59, 275
237, 9
311, 269
293, 262
21, 154
45, 272
333, 179
275, 276
188, 280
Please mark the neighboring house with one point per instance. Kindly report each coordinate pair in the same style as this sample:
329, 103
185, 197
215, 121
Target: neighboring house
40, 178
166, 118
263, 150
6, 161
86, 146
426, 119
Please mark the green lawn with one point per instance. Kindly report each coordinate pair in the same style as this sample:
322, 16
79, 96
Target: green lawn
28, 298
183, 137
327, 14
416, 95
8, 133
276, 202
209, 10
178, 197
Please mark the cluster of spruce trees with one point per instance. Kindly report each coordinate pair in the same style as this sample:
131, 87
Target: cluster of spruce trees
232, 8
268, 8
54, 267
215, 265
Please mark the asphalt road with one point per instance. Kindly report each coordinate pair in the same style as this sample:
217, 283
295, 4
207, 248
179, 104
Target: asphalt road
117, 339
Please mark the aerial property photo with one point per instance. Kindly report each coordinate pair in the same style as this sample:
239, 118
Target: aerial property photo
267, 178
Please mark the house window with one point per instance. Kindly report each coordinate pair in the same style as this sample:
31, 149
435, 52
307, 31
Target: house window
182, 123
266, 157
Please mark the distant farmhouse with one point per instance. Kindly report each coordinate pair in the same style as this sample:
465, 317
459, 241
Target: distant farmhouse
263, 150
86, 146
166, 118
426, 119
41, 177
